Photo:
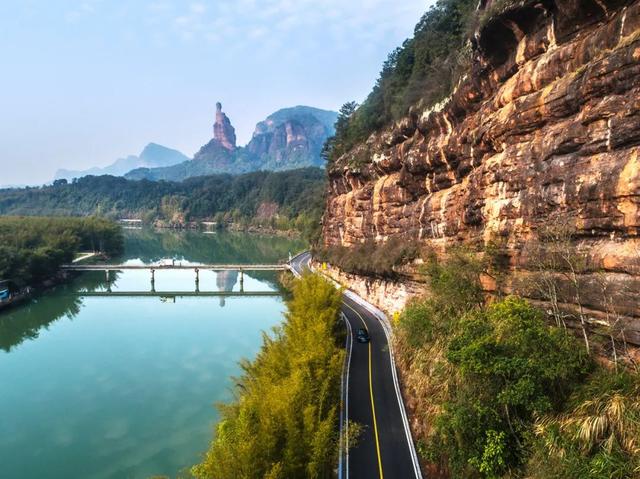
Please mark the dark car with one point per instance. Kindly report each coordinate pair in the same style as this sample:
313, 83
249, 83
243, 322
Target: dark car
362, 336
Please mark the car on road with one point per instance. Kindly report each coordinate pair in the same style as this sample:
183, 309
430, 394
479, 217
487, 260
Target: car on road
362, 335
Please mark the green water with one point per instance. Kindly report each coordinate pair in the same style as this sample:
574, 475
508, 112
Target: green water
124, 387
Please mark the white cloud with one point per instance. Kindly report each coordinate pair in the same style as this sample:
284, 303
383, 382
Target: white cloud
248, 20
159, 6
83, 9
198, 8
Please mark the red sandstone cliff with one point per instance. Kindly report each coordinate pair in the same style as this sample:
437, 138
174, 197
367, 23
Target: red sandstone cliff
546, 124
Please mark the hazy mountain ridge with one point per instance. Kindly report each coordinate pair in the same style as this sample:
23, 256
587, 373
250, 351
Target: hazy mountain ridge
152, 156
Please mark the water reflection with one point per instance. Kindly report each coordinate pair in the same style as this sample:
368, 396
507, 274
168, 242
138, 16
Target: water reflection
223, 247
225, 281
25, 321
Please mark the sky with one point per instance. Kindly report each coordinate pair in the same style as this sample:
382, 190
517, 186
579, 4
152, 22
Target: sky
83, 83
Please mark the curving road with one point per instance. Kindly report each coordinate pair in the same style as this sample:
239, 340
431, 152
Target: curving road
372, 398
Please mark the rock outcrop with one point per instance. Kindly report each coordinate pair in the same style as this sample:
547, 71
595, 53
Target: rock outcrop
545, 125
223, 132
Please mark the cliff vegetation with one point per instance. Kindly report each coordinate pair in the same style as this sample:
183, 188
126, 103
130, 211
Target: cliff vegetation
533, 144
422, 71
497, 392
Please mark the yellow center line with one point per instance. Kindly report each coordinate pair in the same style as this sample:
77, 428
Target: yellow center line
373, 406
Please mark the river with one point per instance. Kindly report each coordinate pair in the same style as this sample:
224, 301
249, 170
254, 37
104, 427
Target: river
124, 387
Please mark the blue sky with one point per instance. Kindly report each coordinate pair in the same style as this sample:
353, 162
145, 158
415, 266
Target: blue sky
85, 82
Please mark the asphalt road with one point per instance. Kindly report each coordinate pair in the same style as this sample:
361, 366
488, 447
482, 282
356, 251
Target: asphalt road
384, 450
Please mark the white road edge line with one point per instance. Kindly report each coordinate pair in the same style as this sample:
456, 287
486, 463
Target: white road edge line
386, 327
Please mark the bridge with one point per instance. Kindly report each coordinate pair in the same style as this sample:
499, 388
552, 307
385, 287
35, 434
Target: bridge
152, 268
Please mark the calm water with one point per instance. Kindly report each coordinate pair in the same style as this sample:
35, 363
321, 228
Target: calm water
123, 387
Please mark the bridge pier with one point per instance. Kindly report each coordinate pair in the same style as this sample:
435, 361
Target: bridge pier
153, 280
106, 271
241, 281
197, 280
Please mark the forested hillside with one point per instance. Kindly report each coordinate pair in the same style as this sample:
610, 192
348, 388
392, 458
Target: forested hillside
291, 199
32, 249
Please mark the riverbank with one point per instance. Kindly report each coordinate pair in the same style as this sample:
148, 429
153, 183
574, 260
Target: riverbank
32, 291
15, 299
212, 227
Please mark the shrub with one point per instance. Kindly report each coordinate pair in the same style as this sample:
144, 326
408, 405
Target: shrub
511, 367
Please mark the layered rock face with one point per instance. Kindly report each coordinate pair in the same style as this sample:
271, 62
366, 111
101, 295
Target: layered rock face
545, 125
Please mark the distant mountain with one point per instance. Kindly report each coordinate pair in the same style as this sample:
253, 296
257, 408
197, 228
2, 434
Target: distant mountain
152, 156
287, 139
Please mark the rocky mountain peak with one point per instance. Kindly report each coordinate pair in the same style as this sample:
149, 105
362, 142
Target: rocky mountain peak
223, 131
290, 137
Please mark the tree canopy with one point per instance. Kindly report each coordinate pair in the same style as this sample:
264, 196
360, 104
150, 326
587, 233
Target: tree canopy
33, 248
424, 69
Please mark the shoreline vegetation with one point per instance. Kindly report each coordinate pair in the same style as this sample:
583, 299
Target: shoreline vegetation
283, 422
33, 248
206, 227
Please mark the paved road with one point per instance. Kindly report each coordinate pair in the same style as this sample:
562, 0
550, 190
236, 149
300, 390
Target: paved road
385, 448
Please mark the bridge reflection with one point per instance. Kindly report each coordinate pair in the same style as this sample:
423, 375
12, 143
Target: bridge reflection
174, 294
226, 280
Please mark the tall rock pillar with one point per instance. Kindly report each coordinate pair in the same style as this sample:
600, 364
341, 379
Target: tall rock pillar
223, 132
